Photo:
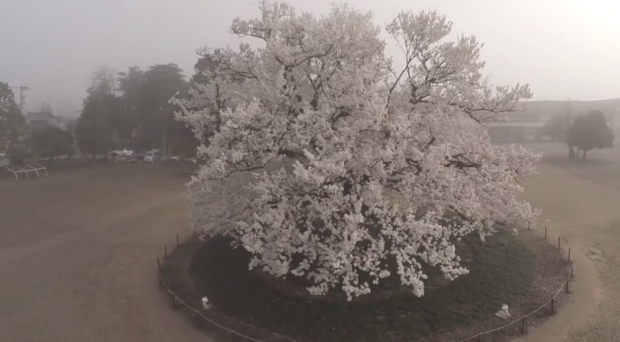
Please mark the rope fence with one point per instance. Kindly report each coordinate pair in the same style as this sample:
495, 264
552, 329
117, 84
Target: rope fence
177, 302
518, 326
550, 305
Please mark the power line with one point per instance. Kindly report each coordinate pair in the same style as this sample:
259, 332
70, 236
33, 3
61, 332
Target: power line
57, 101
22, 98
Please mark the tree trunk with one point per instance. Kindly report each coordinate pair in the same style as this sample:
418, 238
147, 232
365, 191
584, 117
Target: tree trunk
164, 143
571, 152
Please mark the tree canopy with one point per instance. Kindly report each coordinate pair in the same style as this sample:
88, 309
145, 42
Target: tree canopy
12, 121
53, 142
162, 82
103, 81
557, 127
93, 131
133, 109
382, 155
46, 107
590, 131
205, 65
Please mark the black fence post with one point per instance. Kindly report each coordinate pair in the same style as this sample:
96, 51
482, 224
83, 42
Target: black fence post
198, 319
158, 266
569, 255
553, 305
174, 302
545, 232
523, 325
165, 250
177, 239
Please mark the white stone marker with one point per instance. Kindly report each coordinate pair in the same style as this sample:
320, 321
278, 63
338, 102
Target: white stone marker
503, 313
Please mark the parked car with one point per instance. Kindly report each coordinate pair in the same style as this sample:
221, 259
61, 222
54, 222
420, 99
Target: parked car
139, 154
122, 153
152, 156
2, 154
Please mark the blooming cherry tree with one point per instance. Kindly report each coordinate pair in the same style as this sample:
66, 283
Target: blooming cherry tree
354, 161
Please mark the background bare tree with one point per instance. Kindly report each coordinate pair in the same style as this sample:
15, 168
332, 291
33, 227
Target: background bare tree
104, 80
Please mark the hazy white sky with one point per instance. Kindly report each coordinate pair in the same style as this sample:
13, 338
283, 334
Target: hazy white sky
568, 48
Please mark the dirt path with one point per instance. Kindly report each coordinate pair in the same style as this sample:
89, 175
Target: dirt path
582, 203
77, 256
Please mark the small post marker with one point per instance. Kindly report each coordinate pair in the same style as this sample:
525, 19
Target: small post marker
165, 250
177, 239
558, 242
523, 325
545, 232
503, 312
158, 265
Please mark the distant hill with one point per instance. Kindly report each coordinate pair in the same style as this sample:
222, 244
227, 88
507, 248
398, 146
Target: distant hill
554, 107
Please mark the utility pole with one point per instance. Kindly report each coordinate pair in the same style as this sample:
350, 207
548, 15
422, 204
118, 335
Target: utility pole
569, 107
22, 96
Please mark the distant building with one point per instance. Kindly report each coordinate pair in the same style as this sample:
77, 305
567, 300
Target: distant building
527, 126
58, 121
38, 120
520, 127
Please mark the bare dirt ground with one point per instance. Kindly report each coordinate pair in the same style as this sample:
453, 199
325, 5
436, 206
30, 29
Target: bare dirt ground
77, 254
78, 249
581, 202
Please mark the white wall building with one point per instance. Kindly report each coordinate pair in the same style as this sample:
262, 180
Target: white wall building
528, 126
58, 121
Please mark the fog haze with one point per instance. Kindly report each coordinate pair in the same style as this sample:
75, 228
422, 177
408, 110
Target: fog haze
561, 48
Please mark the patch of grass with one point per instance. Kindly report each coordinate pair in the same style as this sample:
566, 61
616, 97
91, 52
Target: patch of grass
501, 272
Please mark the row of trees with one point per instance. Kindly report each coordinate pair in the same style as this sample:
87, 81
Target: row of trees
12, 122
123, 109
52, 142
133, 109
582, 133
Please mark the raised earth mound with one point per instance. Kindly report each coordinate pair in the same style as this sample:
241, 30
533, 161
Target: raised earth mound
521, 271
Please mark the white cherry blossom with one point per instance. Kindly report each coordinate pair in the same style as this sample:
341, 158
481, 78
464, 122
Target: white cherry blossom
364, 160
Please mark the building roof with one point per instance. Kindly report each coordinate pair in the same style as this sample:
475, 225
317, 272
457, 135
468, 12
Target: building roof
30, 116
